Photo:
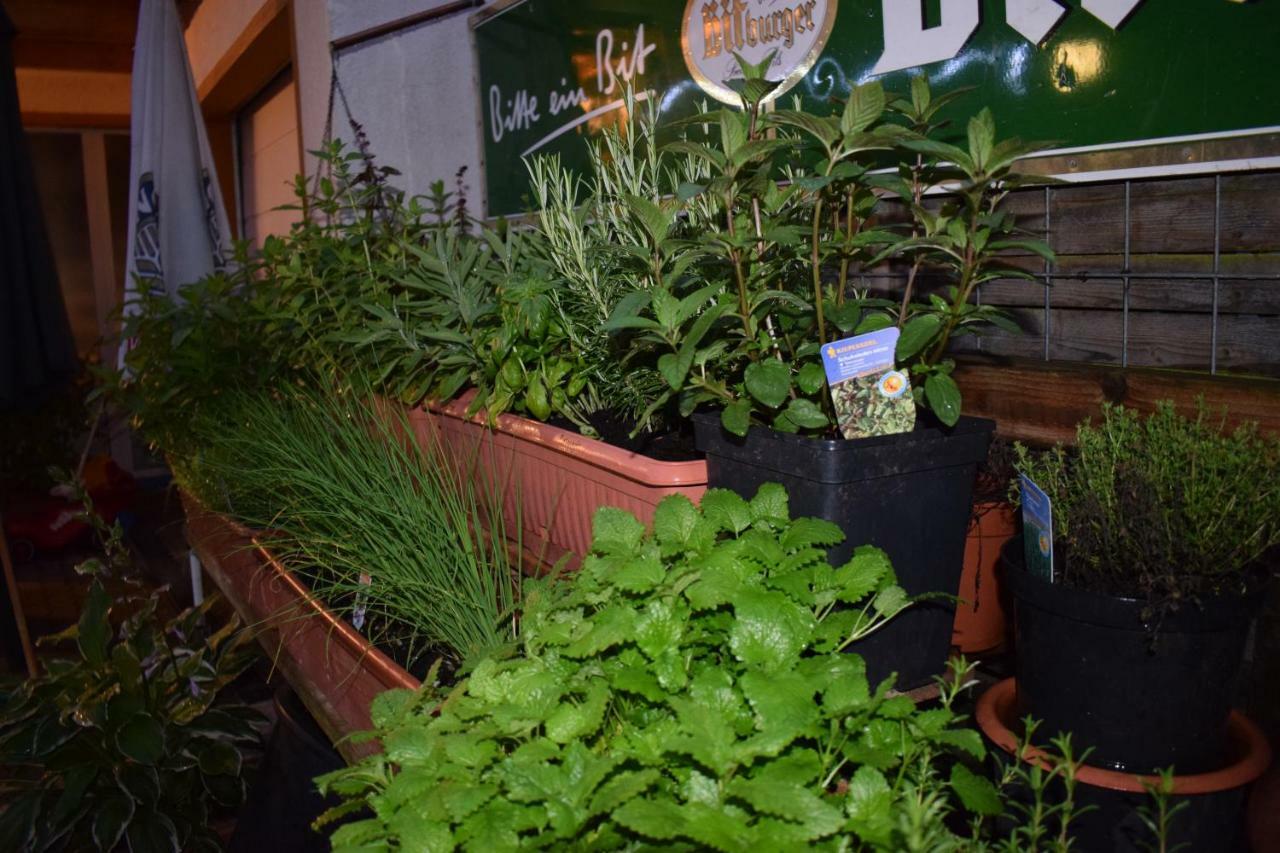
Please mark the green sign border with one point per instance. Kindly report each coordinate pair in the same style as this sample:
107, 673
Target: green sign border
1181, 87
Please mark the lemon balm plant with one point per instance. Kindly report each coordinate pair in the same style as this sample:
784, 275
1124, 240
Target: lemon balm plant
689, 690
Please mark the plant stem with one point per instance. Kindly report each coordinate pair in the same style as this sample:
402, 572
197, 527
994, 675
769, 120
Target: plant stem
917, 192
814, 262
844, 258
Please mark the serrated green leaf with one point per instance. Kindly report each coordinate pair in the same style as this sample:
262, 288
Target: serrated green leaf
890, 601
977, 794
771, 504
726, 510
736, 417
622, 788
967, 740
806, 414
659, 819
863, 574
805, 532
573, 720
812, 377
608, 628
616, 531
864, 107
770, 630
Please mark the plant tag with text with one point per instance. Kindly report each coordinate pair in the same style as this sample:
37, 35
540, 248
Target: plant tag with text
358, 612
871, 396
1037, 529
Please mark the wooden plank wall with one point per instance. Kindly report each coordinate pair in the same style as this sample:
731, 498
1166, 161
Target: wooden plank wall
1170, 320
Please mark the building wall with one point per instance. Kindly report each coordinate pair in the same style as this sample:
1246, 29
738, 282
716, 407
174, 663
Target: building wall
215, 30
413, 92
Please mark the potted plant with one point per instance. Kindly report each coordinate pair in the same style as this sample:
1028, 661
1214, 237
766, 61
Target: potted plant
742, 327
498, 334
356, 519
1122, 811
127, 742
1161, 531
982, 624
687, 690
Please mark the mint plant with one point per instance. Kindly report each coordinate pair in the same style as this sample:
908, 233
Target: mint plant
689, 689
773, 213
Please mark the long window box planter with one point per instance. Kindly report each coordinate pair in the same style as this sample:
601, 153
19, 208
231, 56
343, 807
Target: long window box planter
552, 479
330, 665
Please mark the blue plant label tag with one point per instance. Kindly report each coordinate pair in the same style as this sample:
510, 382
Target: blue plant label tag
1037, 529
870, 395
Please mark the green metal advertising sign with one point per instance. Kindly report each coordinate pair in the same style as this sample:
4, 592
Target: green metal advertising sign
1118, 86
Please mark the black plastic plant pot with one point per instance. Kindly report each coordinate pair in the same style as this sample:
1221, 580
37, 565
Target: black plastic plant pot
283, 800
910, 494
1142, 696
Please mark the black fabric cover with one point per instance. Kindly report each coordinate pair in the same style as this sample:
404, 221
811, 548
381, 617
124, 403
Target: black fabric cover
37, 351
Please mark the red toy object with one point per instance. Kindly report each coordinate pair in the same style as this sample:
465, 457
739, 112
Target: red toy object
51, 522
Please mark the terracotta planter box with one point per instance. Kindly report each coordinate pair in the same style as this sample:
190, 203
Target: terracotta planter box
552, 479
333, 669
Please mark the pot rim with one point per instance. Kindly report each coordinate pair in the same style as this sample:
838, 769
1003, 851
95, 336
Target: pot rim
922, 433
1214, 613
615, 460
996, 710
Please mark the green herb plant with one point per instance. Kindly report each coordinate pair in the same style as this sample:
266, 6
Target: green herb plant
690, 690
124, 745
775, 210
1167, 508
379, 524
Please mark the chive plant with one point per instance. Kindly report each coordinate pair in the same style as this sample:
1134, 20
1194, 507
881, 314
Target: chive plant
385, 529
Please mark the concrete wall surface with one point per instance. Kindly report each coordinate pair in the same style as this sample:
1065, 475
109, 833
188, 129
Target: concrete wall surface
413, 91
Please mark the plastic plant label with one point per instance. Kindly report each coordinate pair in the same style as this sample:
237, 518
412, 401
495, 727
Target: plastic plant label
871, 396
358, 612
1037, 530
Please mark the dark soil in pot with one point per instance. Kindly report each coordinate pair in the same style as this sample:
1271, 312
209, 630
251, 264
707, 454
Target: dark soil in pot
672, 444
910, 494
1143, 696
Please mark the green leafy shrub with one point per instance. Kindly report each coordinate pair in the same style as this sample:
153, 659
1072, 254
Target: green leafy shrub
124, 744
687, 690
771, 207
1165, 508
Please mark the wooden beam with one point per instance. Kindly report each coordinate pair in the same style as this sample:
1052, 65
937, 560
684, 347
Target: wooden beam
40, 120
1041, 402
261, 51
107, 290
35, 52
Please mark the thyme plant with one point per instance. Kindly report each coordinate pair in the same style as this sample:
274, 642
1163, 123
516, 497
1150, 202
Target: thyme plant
1168, 508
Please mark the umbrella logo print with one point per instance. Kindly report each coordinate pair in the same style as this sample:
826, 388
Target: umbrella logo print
146, 242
